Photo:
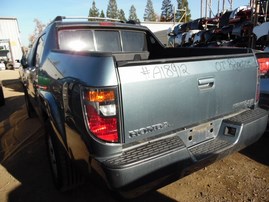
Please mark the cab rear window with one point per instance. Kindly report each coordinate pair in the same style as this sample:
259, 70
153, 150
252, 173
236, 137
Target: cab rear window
102, 40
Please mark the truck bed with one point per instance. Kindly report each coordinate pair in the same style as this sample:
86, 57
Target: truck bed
180, 92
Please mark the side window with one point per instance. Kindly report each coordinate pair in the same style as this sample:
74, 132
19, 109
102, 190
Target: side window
31, 55
39, 51
35, 53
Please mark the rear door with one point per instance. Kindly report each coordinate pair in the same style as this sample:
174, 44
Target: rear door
31, 71
162, 96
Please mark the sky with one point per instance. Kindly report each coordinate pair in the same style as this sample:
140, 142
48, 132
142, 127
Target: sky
27, 10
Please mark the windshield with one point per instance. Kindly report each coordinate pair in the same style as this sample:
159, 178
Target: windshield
102, 40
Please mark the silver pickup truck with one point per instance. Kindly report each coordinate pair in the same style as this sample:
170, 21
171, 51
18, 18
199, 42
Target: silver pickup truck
117, 104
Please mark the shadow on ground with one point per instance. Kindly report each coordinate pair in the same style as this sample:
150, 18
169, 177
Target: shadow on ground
12, 103
259, 151
23, 155
30, 166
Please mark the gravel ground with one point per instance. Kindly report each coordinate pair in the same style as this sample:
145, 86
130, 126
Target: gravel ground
25, 174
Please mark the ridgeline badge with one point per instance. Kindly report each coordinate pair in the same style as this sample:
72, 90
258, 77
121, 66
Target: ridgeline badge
148, 129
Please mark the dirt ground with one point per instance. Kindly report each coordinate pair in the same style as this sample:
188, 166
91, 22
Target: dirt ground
25, 174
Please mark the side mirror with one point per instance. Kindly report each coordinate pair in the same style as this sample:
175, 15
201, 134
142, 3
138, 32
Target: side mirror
171, 34
24, 62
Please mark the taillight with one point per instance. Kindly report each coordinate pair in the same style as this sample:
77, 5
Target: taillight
101, 113
263, 65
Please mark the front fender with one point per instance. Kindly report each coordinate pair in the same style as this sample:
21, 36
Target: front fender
54, 114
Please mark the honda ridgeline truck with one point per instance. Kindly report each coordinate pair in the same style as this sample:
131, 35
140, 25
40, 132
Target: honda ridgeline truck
118, 104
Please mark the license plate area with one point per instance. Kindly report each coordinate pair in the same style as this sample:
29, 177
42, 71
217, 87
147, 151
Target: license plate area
195, 135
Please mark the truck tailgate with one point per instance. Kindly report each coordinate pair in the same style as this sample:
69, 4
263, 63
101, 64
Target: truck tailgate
166, 95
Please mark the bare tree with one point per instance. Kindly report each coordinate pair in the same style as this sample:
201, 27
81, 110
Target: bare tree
39, 27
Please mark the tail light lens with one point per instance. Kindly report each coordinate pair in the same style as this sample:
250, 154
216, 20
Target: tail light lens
101, 113
263, 65
263, 70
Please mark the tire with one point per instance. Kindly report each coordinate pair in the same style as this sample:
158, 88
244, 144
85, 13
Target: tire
9, 66
2, 98
65, 175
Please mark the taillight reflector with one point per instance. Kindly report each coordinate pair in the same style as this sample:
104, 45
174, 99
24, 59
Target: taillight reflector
102, 127
263, 65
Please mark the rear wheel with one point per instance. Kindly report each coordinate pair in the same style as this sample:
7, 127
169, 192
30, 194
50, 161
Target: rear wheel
64, 173
9, 66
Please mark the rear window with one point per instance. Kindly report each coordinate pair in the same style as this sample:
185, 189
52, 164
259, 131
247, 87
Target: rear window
102, 40
76, 40
133, 41
108, 41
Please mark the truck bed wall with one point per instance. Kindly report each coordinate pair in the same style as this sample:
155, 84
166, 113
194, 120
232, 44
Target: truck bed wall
191, 52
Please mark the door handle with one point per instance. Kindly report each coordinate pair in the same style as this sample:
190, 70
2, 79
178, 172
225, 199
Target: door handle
206, 83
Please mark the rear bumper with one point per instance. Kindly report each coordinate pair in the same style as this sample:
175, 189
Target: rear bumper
161, 162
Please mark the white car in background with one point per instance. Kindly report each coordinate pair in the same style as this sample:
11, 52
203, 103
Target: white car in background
17, 64
2, 65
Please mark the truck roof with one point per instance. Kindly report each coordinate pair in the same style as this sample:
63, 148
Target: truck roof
97, 22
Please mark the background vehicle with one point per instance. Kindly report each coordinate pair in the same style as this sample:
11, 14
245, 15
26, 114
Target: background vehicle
2, 65
263, 58
245, 26
10, 45
117, 103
